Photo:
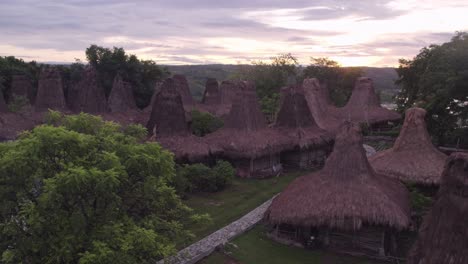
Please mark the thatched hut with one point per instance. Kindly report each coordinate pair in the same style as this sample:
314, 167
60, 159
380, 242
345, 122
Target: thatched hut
211, 96
443, 236
311, 144
412, 158
246, 141
228, 91
318, 100
88, 95
168, 126
182, 87
3, 106
50, 91
21, 86
121, 98
157, 88
364, 106
346, 207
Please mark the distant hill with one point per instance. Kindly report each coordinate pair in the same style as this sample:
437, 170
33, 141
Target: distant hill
384, 78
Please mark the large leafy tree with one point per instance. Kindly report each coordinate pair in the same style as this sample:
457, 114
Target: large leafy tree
269, 77
142, 74
437, 80
339, 80
81, 190
10, 66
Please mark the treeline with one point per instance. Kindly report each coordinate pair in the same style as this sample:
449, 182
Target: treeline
142, 74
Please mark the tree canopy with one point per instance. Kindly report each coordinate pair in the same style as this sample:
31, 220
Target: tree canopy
437, 80
81, 190
142, 74
339, 80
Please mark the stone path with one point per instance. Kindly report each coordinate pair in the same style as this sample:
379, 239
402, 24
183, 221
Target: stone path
207, 245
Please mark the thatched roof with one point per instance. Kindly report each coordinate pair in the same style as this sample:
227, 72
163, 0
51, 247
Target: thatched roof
318, 100
228, 91
183, 89
21, 85
121, 98
89, 93
50, 91
364, 105
245, 133
168, 121
295, 120
413, 158
168, 115
345, 194
443, 236
211, 96
12, 124
3, 106
157, 88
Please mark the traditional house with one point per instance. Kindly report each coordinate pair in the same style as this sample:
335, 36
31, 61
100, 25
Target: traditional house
246, 141
311, 144
88, 95
211, 96
21, 86
318, 100
168, 126
121, 98
443, 236
345, 207
3, 106
364, 106
412, 158
182, 87
50, 91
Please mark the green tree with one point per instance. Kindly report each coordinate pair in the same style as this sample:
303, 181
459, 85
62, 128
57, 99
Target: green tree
204, 123
86, 191
436, 79
142, 74
340, 81
269, 78
10, 66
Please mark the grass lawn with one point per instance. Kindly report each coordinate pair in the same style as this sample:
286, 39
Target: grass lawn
235, 201
254, 247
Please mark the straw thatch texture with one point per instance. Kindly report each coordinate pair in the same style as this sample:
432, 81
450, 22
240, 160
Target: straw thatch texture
3, 106
245, 133
211, 96
12, 124
295, 120
228, 91
89, 93
50, 91
413, 158
121, 98
443, 236
364, 105
168, 126
319, 104
183, 89
21, 85
157, 88
345, 194
168, 115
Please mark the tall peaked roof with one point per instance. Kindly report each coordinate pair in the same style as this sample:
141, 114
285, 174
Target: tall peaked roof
121, 98
364, 105
168, 114
318, 100
211, 96
345, 194
90, 93
3, 106
181, 84
295, 119
50, 91
245, 112
443, 236
228, 91
21, 85
413, 158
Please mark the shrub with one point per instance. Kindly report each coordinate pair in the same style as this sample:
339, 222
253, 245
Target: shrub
204, 123
201, 178
18, 103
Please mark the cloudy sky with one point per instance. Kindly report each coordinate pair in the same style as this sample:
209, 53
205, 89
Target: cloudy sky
372, 33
